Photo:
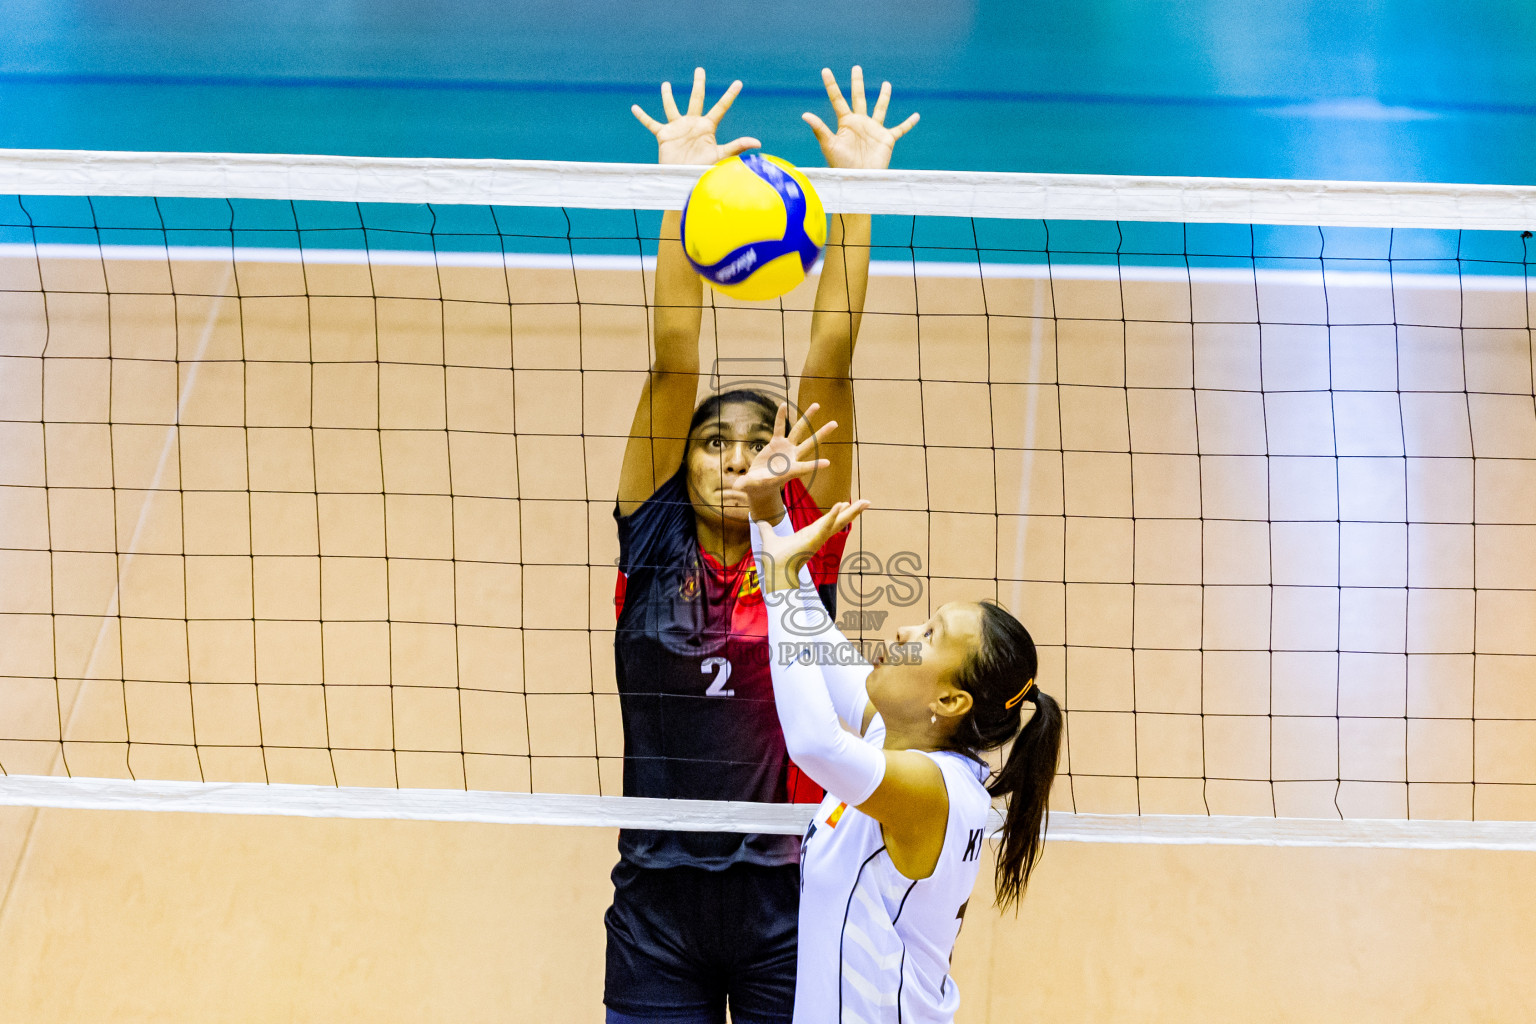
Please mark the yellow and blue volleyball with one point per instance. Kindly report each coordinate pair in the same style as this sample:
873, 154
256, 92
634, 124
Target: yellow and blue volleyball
753, 226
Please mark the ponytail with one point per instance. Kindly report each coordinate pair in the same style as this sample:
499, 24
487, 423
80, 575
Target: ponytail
1000, 677
1025, 783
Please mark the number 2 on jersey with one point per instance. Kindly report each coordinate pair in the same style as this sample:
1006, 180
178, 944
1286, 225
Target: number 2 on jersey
717, 687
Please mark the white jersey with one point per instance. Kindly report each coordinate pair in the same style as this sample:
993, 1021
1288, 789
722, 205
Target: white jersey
875, 945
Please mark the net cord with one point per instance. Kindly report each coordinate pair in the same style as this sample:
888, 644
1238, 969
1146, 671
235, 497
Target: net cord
691, 815
618, 186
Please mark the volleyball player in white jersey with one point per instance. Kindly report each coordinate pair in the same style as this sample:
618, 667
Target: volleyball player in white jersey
890, 860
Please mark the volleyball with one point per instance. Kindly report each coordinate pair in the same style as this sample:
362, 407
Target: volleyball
752, 226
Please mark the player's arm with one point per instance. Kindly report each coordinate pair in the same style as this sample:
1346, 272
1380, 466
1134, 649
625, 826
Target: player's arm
792, 454
861, 141
658, 433
901, 789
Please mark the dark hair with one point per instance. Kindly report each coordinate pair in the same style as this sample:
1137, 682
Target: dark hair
1000, 676
709, 409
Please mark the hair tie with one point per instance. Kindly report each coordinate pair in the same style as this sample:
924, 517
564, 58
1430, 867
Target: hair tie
1020, 695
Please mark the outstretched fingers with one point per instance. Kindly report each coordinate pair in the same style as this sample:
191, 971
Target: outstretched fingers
906, 126
841, 515
882, 103
819, 127
839, 105
857, 83
740, 145
791, 552
696, 98
723, 104
801, 429
651, 124
780, 419
815, 441
832, 520
668, 104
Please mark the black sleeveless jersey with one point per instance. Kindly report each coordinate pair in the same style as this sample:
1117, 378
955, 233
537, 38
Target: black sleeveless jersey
695, 693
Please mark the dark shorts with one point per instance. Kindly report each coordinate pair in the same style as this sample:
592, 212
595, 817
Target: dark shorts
684, 941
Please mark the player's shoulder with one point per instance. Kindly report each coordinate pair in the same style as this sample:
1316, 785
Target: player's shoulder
671, 498
663, 521
965, 778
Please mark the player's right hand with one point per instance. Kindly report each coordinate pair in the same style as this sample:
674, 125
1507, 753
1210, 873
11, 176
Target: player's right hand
690, 138
791, 454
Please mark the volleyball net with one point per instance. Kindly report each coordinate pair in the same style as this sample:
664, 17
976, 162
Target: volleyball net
307, 476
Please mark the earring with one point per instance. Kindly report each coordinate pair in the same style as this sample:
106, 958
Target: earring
933, 719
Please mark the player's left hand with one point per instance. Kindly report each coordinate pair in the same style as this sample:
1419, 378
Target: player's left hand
783, 556
862, 140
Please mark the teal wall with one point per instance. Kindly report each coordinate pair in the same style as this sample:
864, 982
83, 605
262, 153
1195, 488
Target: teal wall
1429, 91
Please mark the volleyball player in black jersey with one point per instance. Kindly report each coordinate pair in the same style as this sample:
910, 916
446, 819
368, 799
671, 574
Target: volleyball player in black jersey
700, 920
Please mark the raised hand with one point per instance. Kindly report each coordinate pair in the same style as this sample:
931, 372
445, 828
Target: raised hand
862, 140
786, 457
690, 138
782, 557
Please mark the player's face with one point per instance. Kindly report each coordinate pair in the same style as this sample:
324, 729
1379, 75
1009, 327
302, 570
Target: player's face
904, 688
719, 453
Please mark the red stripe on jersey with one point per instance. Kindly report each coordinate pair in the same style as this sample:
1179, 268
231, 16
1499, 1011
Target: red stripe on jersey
801, 789
803, 511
